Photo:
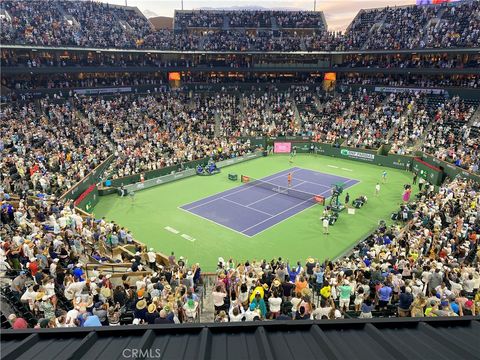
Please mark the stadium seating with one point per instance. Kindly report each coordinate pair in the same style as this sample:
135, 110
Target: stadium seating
75, 23
425, 264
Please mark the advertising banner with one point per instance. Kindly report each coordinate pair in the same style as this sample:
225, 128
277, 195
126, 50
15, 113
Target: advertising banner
359, 155
282, 147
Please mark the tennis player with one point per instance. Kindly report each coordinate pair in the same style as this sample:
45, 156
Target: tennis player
293, 152
384, 177
289, 178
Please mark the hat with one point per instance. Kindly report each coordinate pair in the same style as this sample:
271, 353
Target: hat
468, 304
90, 302
189, 272
252, 307
108, 276
45, 297
98, 304
310, 260
137, 253
167, 287
140, 293
151, 249
151, 308
79, 264
142, 304
56, 260
276, 283
419, 282
265, 286
39, 296
93, 278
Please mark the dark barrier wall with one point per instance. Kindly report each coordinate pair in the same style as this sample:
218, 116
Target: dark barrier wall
92, 178
89, 201
428, 171
363, 155
127, 180
450, 170
255, 141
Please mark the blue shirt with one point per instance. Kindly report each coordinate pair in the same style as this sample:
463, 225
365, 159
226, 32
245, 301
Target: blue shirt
78, 272
319, 276
92, 320
454, 307
384, 293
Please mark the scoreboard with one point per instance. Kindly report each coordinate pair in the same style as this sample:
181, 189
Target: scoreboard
432, 174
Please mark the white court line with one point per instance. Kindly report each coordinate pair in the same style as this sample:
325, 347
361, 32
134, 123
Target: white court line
314, 183
295, 213
280, 213
269, 196
172, 230
243, 188
332, 166
188, 237
213, 222
327, 173
246, 206
250, 236
347, 169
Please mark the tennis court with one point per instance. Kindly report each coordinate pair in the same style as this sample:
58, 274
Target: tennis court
260, 204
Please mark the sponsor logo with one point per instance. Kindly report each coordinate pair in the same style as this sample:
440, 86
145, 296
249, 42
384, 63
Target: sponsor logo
399, 164
357, 155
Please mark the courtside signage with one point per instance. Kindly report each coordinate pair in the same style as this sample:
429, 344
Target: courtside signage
357, 155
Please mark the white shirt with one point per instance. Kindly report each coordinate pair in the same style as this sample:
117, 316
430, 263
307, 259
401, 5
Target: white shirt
275, 303
250, 315
238, 317
70, 318
151, 257
318, 313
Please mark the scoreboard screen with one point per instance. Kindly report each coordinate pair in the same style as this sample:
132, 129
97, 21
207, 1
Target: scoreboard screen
434, 2
282, 147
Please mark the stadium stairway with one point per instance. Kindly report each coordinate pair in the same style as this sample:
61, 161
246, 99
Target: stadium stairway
295, 110
226, 23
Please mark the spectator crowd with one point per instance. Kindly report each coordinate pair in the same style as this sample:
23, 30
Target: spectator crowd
425, 265
93, 24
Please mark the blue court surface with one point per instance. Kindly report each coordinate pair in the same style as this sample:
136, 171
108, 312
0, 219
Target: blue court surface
254, 207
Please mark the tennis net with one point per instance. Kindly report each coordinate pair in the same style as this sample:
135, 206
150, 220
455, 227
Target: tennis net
302, 195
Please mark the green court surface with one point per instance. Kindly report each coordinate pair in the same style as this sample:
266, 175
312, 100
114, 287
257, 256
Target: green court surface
298, 237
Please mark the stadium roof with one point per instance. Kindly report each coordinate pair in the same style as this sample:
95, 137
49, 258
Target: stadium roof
397, 338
